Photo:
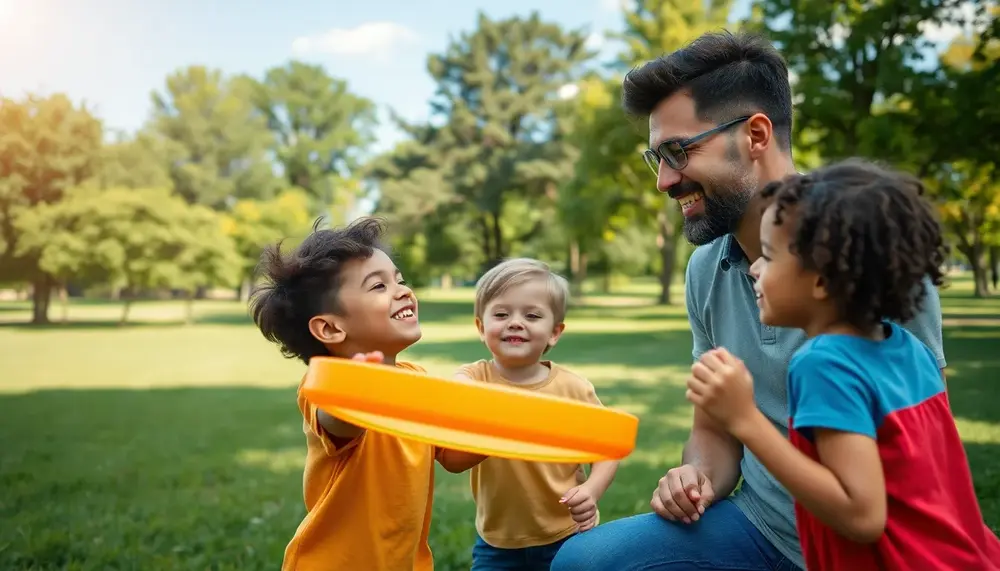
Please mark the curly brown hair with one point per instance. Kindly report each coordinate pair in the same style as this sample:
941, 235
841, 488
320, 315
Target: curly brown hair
869, 232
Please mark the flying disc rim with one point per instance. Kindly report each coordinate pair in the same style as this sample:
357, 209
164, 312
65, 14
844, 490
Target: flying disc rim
348, 387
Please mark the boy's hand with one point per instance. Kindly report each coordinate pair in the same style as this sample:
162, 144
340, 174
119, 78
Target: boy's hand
582, 504
373, 357
721, 385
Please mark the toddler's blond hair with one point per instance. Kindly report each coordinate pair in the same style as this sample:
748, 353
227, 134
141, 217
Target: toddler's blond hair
517, 271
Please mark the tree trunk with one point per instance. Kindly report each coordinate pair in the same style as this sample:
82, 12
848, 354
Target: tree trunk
576, 272
976, 254
446, 281
64, 302
498, 252
125, 309
995, 267
666, 240
41, 295
245, 290
189, 309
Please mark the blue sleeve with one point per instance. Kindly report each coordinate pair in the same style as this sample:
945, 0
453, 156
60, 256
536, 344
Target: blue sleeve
827, 392
926, 325
702, 343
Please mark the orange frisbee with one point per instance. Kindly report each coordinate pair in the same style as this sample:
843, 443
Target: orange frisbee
482, 418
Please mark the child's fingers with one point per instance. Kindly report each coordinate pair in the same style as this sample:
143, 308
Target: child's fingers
583, 511
569, 495
584, 516
577, 499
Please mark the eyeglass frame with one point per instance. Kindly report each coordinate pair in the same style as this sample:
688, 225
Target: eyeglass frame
649, 155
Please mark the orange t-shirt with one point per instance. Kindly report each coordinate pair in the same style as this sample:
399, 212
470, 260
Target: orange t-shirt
517, 502
368, 503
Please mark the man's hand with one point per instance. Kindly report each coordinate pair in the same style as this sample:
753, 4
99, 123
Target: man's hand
683, 494
721, 385
582, 504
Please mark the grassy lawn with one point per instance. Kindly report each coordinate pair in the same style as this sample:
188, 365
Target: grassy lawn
161, 446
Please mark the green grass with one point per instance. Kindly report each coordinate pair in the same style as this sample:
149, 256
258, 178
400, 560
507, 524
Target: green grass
163, 446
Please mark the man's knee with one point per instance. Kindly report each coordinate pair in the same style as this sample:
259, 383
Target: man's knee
573, 554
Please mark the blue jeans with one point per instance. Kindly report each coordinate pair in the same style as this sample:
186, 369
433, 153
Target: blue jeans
485, 557
722, 539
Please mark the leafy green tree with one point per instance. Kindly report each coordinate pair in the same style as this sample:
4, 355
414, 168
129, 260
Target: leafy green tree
322, 130
253, 224
47, 145
133, 239
218, 140
497, 99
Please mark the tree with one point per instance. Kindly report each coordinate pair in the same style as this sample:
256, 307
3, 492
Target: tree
611, 170
497, 98
218, 141
954, 143
253, 224
322, 130
47, 145
851, 61
611, 189
133, 239
139, 161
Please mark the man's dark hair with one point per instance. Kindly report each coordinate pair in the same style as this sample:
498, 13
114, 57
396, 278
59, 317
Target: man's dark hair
305, 283
869, 232
727, 75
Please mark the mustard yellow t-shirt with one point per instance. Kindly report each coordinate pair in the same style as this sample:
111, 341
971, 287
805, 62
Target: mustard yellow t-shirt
368, 503
517, 502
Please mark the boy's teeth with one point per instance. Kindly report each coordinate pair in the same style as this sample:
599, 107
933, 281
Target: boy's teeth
403, 314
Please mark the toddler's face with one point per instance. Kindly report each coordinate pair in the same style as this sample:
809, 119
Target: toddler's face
783, 286
519, 325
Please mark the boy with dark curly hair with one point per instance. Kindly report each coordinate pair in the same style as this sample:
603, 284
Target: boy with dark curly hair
873, 458
367, 494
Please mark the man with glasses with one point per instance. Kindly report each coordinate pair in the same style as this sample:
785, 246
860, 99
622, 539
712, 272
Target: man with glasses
720, 118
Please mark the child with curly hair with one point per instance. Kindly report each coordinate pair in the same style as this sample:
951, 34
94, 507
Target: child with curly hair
873, 458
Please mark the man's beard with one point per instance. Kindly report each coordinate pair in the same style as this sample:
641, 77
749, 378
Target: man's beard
723, 211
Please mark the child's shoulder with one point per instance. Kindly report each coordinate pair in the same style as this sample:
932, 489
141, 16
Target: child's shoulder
478, 370
570, 380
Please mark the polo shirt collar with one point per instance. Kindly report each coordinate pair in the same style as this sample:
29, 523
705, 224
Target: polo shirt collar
733, 256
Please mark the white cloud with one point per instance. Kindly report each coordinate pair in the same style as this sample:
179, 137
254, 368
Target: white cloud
616, 5
568, 91
371, 39
595, 41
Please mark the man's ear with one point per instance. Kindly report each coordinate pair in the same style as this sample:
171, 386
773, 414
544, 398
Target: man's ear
761, 134
326, 330
557, 332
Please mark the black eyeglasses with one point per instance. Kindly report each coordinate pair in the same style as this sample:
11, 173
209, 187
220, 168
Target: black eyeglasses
674, 152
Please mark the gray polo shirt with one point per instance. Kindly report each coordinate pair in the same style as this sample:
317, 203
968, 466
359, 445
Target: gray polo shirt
722, 309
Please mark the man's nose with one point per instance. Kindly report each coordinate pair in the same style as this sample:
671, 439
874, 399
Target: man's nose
666, 177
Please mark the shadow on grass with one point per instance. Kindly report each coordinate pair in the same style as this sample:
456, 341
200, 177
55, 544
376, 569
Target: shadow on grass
149, 479
974, 379
209, 478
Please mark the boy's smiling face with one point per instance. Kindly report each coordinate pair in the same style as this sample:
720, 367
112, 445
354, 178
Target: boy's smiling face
519, 324
376, 310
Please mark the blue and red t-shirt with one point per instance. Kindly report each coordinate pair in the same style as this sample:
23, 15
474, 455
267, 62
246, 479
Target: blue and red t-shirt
891, 391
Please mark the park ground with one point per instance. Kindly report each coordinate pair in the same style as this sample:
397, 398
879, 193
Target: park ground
157, 445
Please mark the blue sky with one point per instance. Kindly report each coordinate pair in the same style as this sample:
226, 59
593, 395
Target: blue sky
114, 53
